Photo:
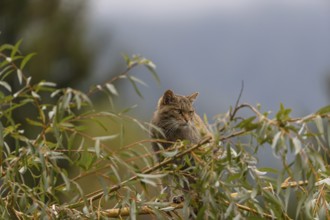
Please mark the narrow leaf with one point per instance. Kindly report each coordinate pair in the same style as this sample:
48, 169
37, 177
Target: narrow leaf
4, 70
22, 170
15, 48
154, 73
112, 89
126, 58
35, 123
135, 87
319, 124
151, 176
133, 210
66, 181
35, 95
48, 84
97, 147
297, 145
6, 85
6, 47
19, 76
106, 138
26, 60
138, 80
275, 139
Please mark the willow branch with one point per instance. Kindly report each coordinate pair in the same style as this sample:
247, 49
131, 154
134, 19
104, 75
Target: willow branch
233, 113
115, 78
146, 210
99, 193
284, 185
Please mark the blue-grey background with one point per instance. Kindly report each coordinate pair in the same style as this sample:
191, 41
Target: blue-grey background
281, 49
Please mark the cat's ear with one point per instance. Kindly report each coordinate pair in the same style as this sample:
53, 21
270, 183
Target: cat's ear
193, 97
168, 97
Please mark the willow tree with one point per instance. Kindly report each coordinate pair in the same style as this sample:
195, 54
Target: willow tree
229, 183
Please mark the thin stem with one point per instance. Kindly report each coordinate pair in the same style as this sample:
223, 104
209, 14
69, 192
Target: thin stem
99, 193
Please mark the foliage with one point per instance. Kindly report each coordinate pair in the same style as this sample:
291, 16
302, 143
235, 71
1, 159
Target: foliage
43, 173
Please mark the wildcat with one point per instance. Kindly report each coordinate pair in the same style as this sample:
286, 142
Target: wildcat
176, 119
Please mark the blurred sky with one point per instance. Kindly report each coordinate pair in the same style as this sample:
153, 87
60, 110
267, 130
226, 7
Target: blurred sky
280, 48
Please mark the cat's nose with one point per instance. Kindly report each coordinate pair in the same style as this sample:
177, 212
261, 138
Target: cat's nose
186, 118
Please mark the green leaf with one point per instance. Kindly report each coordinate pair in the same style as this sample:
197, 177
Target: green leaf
98, 142
116, 173
151, 67
87, 159
201, 211
248, 124
151, 176
170, 153
47, 84
149, 181
6, 85
66, 181
275, 139
319, 124
135, 86
297, 145
138, 80
234, 177
97, 147
128, 109
6, 47
133, 211
5, 69
283, 114
35, 95
26, 60
7, 73
23, 169
35, 123
100, 123
20, 76
15, 48
112, 89
104, 186
1, 137
126, 58
268, 170
324, 110
106, 138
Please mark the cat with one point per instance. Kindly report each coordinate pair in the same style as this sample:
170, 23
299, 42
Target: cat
176, 119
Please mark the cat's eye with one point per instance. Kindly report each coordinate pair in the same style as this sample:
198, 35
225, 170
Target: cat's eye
191, 112
179, 111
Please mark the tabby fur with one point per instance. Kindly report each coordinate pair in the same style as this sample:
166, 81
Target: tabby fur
176, 119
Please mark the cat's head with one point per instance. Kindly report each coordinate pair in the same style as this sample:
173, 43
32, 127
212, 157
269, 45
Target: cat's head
176, 108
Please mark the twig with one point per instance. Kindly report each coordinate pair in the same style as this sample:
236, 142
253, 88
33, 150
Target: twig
99, 193
284, 185
144, 210
246, 208
121, 75
233, 113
